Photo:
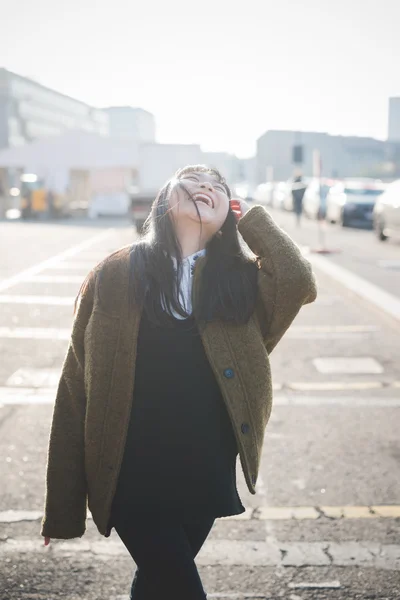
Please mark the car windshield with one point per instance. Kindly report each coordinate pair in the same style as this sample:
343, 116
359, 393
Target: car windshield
362, 192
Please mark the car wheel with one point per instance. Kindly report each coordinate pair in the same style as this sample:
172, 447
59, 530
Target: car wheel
379, 228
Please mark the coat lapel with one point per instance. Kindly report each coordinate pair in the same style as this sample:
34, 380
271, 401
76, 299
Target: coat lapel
121, 391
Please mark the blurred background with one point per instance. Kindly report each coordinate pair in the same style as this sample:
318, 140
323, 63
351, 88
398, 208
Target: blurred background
101, 104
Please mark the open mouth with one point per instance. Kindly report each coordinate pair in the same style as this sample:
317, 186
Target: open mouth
204, 198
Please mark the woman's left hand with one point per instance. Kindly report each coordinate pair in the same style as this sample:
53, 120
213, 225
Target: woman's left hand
239, 207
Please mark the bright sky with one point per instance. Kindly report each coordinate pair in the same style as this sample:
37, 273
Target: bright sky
216, 72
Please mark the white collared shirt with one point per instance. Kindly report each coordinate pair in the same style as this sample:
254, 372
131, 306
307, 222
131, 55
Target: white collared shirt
185, 291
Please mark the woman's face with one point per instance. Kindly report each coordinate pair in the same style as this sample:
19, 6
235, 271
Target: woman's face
209, 195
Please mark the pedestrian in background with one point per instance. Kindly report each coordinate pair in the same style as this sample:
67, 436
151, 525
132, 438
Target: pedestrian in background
167, 379
298, 191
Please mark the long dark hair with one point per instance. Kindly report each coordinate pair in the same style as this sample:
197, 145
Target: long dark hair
227, 288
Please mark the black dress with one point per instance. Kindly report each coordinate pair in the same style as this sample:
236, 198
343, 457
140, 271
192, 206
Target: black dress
180, 454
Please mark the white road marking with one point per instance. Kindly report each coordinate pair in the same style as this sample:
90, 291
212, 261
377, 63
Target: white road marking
335, 328
324, 585
347, 401
54, 260
75, 265
34, 333
54, 279
334, 386
35, 378
261, 513
232, 595
44, 395
332, 335
386, 302
323, 332
26, 396
233, 552
40, 300
347, 365
18, 516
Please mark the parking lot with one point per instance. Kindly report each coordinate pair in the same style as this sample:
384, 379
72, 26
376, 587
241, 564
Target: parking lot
325, 520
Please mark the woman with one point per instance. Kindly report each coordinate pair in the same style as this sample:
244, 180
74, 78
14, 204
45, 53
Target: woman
167, 379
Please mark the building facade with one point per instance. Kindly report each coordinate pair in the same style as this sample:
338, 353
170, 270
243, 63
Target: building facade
340, 156
29, 111
394, 120
131, 123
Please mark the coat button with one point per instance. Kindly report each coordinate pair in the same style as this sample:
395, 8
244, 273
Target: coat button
245, 428
229, 373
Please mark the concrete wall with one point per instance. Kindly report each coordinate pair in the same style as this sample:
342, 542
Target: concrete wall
394, 120
159, 162
33, 111
131, 123
341, 156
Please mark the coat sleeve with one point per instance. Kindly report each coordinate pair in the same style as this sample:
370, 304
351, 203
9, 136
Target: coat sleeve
66, 491
285, 278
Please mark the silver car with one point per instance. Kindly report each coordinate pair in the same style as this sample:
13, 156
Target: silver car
387, 212
351, 202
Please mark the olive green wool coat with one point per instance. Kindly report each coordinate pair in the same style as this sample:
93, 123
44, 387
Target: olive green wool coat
95, 392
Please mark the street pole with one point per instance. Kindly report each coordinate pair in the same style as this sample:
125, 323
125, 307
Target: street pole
317, 173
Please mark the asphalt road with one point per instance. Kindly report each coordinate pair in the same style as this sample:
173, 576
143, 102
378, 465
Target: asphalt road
325, 522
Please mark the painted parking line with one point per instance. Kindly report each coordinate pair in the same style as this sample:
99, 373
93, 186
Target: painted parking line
230, 552
335, 386
46, 395
75, 265
335, 328
26, 396
39, 300
54, 260
331, 332
348, 365
53, 279
34, 333
262, 513
345, 401
34, 378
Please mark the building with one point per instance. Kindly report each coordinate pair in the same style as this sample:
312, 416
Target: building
130, 123
394, 120
340, 156
30, 111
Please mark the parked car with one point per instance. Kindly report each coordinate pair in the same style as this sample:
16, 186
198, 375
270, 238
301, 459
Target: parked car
272, 193
280, 193
352, 201
314, 202
311, 199
245, 190
386, 215
264, 193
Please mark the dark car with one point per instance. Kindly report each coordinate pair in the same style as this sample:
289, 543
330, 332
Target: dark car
351, 202
387, 212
